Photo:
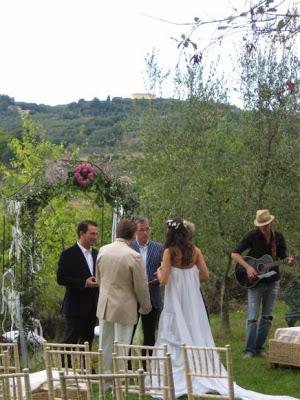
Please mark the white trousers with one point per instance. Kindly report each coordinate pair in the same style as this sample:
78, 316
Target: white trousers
110, 332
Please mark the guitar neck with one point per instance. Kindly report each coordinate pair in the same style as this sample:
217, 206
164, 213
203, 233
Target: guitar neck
274, 264
278, 262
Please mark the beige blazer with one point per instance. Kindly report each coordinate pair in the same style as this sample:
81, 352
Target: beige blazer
122, 284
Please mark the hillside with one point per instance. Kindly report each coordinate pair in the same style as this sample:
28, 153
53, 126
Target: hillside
95, 126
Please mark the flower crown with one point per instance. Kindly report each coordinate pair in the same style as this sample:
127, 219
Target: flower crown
171, 223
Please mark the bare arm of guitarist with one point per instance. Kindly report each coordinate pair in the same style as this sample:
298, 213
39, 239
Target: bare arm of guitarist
251, 272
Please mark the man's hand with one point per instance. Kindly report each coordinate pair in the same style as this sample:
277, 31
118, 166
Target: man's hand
91, 282
155, 280
251, 272
159, 272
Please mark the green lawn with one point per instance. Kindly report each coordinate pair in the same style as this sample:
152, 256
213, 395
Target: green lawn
256, 373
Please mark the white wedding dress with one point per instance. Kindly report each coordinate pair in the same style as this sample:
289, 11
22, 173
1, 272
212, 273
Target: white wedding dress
184, 320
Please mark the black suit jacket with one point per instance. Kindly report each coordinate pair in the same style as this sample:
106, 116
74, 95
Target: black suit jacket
72, 273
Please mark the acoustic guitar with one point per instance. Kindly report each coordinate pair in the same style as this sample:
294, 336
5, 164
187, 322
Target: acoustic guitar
261, 265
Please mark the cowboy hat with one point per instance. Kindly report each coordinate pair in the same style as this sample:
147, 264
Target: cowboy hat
263, 217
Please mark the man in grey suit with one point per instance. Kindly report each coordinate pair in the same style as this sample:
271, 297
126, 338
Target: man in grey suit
122, 284
151, 253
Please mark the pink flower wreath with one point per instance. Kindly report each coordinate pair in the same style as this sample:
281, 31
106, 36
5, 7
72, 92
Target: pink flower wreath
84, 174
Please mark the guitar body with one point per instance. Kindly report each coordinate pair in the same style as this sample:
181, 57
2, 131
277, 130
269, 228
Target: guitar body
259, 264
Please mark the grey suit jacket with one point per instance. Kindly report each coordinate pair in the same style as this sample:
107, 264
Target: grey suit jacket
122, 284
154, 257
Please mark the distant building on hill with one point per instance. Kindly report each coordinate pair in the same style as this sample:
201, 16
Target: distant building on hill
147, 96
19, 109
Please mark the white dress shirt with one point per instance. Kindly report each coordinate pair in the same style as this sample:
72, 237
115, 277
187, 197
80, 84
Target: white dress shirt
88, 256
143, 253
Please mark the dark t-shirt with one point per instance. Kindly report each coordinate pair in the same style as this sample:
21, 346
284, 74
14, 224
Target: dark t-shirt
257, 246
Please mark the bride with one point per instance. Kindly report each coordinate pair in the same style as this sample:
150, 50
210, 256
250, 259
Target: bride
184, 318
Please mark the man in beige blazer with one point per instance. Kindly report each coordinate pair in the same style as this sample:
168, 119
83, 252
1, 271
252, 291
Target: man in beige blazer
122, 285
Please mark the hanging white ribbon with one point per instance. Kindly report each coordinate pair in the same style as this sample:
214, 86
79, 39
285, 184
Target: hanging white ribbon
117, 215
14, 208
10, 298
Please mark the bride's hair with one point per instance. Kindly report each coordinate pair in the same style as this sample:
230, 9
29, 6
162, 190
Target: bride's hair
179, 236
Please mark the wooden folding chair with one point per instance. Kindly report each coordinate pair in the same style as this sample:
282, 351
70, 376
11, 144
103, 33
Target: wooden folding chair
60, 356
98, 383
206, 362
4, 363
7, 368
13, 354
42, 382
15, 386
157, 367
71, 363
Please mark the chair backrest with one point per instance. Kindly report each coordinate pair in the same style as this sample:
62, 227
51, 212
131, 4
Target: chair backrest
66, 346
13, 354
98, 383
207, 362
15, 386
153, 360
137, 351
4, 363
71, 362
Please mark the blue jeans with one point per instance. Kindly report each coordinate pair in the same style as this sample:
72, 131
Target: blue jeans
263, 294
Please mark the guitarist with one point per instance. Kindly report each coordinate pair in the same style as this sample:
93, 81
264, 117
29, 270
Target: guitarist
260, 241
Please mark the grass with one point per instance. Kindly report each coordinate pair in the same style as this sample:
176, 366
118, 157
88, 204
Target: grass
256, 373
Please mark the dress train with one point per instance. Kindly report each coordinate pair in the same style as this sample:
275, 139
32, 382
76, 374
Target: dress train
184, 320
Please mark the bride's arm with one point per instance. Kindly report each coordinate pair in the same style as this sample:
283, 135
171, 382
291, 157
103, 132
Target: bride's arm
163, 271
201, 264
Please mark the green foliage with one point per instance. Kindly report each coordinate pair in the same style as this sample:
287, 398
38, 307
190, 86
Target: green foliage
4, 150
6, 102
265, 19
215, 165
31, 154
96, 127
268, 132
41, 177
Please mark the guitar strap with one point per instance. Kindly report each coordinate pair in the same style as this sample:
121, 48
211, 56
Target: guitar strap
273, 245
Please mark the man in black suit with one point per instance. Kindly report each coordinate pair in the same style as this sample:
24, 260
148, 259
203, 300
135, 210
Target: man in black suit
151, 253
76, 271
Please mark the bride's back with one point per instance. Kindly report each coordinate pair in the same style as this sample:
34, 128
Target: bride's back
177, 257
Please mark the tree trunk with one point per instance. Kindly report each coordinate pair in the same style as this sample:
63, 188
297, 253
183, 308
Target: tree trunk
225, 290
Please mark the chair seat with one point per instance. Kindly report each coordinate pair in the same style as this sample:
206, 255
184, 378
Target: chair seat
288, 334
32, 337
38, 380
39, 386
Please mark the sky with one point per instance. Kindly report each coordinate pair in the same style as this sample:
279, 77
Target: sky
59, 51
